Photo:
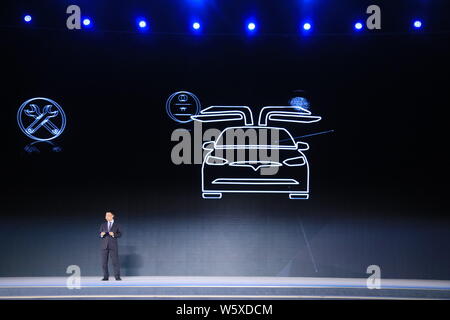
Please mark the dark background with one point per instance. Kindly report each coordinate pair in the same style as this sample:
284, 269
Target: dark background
378, 182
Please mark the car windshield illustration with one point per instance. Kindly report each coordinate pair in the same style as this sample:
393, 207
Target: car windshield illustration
255, 159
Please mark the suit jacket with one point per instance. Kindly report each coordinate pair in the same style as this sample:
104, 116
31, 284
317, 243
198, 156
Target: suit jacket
108, 242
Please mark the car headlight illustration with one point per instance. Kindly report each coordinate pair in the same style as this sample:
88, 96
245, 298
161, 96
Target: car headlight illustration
295, 162
215, 161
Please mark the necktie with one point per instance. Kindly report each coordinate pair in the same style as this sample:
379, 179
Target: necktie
109, 226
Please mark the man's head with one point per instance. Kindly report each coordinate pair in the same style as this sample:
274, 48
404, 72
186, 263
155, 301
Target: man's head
109, 216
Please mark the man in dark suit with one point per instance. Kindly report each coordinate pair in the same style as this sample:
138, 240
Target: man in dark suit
109, 232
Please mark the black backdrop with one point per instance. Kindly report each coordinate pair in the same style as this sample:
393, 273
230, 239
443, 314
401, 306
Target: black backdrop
378, 182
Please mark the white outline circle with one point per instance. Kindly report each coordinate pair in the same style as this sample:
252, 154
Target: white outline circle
169, 100
22, 128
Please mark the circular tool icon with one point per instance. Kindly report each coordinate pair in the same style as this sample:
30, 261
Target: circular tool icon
41, 119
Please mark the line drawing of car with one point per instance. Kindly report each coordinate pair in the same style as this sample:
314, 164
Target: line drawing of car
224, 174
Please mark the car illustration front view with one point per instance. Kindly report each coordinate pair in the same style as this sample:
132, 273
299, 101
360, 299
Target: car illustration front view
245, 167
255, 158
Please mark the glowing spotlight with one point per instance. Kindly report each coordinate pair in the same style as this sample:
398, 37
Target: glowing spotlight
87, 22
27, 18
307, 26
142, 24
358, 26
196, 25
251, 26
417, 24
299, 102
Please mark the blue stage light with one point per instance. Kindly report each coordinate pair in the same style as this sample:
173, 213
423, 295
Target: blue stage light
142, 24
358, 26
299, 102
307, 26
27, 18
87, 22
251, 26
196, 25
417, 24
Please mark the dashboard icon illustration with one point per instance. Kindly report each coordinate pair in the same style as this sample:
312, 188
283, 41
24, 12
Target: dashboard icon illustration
181, 105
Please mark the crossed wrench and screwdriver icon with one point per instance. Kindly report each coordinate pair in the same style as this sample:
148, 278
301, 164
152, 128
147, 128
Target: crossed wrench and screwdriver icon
42, 119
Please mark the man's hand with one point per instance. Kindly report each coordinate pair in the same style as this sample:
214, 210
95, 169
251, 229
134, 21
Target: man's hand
111, 234
102, 234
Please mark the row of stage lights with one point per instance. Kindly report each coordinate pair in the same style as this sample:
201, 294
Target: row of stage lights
142, 24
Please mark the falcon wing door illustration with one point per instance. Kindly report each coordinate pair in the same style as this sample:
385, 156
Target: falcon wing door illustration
225, 113
286, 114
255, 158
